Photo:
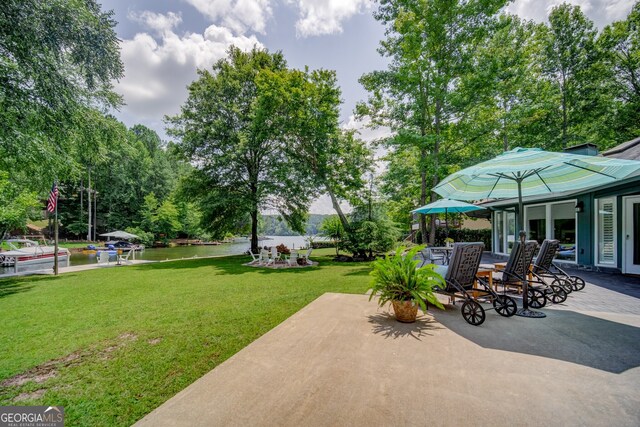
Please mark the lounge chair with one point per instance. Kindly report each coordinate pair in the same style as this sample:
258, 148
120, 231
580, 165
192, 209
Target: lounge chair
103, 257
432, 256
256, 258
307, 255
124, 259
460, 277
293, 259
516, 272
275, 256
544, 267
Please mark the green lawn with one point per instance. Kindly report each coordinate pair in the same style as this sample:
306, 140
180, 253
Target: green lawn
113, 344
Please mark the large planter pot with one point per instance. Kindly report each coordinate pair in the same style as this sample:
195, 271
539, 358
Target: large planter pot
406, 311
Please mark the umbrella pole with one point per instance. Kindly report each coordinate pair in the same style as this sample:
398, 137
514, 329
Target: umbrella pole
446, 224
524, 311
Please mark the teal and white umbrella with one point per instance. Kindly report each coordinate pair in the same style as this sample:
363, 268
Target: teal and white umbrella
446, 206
524, 172
532, 172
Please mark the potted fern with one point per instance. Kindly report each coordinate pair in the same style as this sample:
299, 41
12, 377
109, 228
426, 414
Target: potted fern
396, 279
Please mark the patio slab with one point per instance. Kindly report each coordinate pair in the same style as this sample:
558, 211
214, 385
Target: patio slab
343, 361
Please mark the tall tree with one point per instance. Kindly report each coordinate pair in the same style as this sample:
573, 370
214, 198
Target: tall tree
54, 56
509, 102
334, 159
431, 45
232, 130
619, 44
570, 54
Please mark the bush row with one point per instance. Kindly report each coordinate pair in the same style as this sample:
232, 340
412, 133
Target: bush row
462, 235
322, 244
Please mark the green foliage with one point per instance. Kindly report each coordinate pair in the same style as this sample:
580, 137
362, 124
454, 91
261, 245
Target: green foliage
332, 228
466, 82
568, 62
432, 46
167, 221
56, 57
619, 46
234, 127
144, 237
190, 218
463, 235
368, 237
149, 213
16, 205
396, 278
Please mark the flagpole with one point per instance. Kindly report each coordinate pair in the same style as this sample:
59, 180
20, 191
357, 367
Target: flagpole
55, 245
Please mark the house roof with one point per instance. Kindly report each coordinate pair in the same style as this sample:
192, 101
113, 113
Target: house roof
629, 150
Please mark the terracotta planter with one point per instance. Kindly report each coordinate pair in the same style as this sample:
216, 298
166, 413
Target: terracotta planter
406, 311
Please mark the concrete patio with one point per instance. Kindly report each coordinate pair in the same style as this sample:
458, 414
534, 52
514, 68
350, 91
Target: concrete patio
343, 361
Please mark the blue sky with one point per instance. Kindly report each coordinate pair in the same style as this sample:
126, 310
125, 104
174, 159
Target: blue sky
164, 42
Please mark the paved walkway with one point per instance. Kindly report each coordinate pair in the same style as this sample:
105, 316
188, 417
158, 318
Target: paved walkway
343, 361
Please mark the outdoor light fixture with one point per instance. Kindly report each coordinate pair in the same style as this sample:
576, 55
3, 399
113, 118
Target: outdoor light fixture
580, 207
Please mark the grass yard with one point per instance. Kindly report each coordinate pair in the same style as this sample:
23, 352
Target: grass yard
110, 345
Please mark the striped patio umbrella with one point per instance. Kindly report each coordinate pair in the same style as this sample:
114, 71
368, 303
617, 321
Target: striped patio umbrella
532, 172
525, 172
445, 206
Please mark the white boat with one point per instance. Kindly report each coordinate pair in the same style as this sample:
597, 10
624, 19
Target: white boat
29, 252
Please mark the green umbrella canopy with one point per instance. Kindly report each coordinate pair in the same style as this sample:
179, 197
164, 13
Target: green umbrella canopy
525, 172
446, 206
532, 172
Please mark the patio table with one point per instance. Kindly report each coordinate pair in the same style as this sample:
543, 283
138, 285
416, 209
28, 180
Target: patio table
443, 249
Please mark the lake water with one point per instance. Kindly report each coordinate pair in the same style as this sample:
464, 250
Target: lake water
237, 247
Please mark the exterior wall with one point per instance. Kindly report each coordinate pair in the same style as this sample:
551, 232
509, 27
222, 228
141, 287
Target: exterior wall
586, 222
626, 189
476, 224
586, 234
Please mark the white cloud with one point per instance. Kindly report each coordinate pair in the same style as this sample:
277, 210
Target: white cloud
601, 12
365, 132
239, 15
318, 17
158, 70
156, 21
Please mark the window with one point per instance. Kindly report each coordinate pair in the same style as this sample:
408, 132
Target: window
499, 236
511, 230
505, 231
557, 220
563, 221
605, 227
537, 223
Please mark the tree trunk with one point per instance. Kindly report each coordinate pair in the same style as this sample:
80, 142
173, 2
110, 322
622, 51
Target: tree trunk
505, 139
338, 209
254, 231
564, 114
89, 208
423, 194
436, 167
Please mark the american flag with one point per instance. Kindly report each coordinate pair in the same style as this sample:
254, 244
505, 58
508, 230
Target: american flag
53, 198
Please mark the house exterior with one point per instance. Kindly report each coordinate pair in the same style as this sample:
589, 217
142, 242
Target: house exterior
598, 228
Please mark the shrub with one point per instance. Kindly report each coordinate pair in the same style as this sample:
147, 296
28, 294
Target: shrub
283, 249
322, 244
464, 235
396, 278
368, 237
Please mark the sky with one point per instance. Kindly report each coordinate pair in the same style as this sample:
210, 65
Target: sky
163, 43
